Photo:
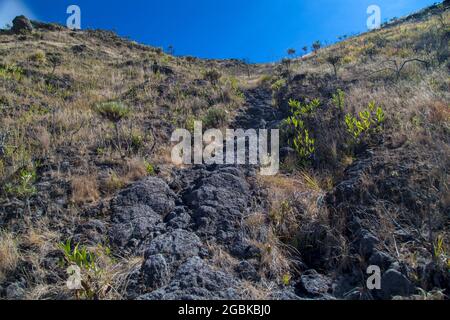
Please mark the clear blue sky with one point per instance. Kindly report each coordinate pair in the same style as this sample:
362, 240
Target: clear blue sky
258, 30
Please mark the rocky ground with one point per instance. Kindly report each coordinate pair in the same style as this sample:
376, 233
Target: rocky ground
152, 230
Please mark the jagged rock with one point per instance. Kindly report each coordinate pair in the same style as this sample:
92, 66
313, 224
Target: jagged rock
243, 249
136, 225
247, 271
47, 26
15, 291
176, 246
381, 259
91, 232
313, 284
79, 48
156, 271
178, 219
367, 243
285, 295
196, 280
21, 24
393, 283
218, 201
152, 192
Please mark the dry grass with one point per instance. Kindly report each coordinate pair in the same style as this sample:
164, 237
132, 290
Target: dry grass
9, 253
84, 189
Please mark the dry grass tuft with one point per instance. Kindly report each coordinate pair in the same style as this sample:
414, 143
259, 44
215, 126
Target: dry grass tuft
9, 253
84, 189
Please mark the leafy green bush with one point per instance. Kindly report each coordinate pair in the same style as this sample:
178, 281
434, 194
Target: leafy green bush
366, 122
302, 141
277, 85
11, 72
23, 186
113, 111
149, 168
298, 109
339, 100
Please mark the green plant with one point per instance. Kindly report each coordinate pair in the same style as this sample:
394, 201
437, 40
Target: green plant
303, 142
304, 145
367, 121
11, 72
25, 187
149, 168
298, 109
286, 279
78, 256
137, 141
38, 57
277, 85
91, 265
113, 111
440, 251
339, 100
215, 117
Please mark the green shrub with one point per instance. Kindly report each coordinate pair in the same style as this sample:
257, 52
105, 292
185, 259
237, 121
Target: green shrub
213, 76
366, 122
39, 57
11, 72
302, 141
92, 265
298, 109
149, 168
304, 145
113, 111
277, 85
215, 118
78, 256
339, 100
23, 186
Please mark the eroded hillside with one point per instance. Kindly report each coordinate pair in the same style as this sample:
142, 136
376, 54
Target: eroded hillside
87, 179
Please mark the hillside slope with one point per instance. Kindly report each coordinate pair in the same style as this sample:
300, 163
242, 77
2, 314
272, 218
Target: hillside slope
87, 180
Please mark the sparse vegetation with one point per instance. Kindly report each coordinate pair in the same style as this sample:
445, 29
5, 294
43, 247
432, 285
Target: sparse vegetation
85, 128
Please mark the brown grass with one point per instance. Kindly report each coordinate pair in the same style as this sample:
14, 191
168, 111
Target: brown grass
9, 253
84, 189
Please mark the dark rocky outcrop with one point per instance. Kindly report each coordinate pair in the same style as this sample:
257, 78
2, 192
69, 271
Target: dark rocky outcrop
21, 25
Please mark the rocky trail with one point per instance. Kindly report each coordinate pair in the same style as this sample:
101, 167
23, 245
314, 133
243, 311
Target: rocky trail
182, 225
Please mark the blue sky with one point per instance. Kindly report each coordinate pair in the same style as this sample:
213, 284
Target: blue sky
257, 30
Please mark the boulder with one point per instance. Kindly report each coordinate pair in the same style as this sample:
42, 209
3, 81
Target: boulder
176, 246
394, 283
152, 192
196, 280
381, 259
218, 202
247, 271
313, 284
156, 271
135, 225
21, 24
